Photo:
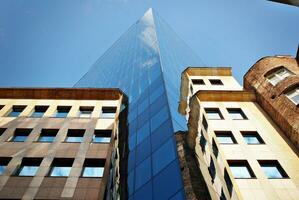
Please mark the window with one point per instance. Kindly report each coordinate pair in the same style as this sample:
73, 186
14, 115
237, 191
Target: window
20, 135
61, 167
202, 142
236, 113
205, 123
252, 137
102, 136
240, 169
47, 135
108, 112
1, 106
215, 148
29, 166
75, 135
85, 112
198, 82
93, 168
39, 111
278, 75
213, 113
2, 130
62, 111
212, 169
3, 163
225, 137
272, 169
16, 111
228, 182
215, 81
294, 96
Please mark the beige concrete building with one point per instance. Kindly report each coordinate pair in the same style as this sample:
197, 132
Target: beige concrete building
60, 143
232, 147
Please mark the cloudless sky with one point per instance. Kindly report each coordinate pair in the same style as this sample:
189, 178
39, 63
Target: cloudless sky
52, 43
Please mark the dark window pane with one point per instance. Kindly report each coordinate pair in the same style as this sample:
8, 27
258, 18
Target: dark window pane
228, 182
102, 136
143, 150
204, 123
48, 135
215, 148
3, 163
108, 112
2, 130
16, 111
212, 169
75, 135
143, 132
85, 111
163, 156
159, 118
216, 82
198, 82
142, 173
39, 111
20, 135
62, 111
93, 168
61, 167
29, 166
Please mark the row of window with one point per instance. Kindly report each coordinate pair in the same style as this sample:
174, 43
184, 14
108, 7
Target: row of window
61, 111
201, 82
60, 167
234, 113
48, 135
280, 74
250, 137
271, 168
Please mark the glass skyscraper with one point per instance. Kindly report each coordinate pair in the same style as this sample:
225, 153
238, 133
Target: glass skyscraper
146, 63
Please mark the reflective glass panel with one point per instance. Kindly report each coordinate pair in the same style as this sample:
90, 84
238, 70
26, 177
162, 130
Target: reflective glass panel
93, 171
28, 171
2, 169
73, 139
46, 138
19, 138
60, 171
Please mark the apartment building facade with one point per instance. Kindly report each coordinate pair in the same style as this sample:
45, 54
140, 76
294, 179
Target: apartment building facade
232, 147
60, 143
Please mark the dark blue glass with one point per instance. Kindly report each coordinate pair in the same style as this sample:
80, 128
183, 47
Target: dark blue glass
178, 196
161, 185
160, 160
145, 192
2, 169
38, 114
19, 138
142, 173
150, 60
61, 114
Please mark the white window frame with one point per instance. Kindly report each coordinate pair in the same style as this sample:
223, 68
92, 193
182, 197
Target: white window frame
292, 94
279, 74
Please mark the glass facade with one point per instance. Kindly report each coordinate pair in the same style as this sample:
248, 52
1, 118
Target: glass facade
146, 63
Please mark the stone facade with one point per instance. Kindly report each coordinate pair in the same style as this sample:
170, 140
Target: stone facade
273, 99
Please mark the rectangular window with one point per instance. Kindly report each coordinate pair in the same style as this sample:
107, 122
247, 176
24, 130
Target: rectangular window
3, 163
39, 111
108, 112
204, 123
236, 114
47, 135
75, 135
215, 82
93, 168
225, 137
272, 169
228, 182
61, 167
213, 113
20, 135
198, 82
202, 142
215, 148
62, 111
294, 96
252, 137
240, 169
85, 111
2, 130
278, 75
29, 167
102, 136
16, 111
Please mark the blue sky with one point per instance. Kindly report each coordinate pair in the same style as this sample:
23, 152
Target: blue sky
52, 43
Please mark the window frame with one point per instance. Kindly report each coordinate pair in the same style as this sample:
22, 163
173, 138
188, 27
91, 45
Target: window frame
252, 133
78, 133
273, 163
241, 163
244, 116
93, 163
292, 93
225, 133
215, 110
279, 77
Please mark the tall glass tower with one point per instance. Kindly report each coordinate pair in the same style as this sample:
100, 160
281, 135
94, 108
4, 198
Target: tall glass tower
146, 63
